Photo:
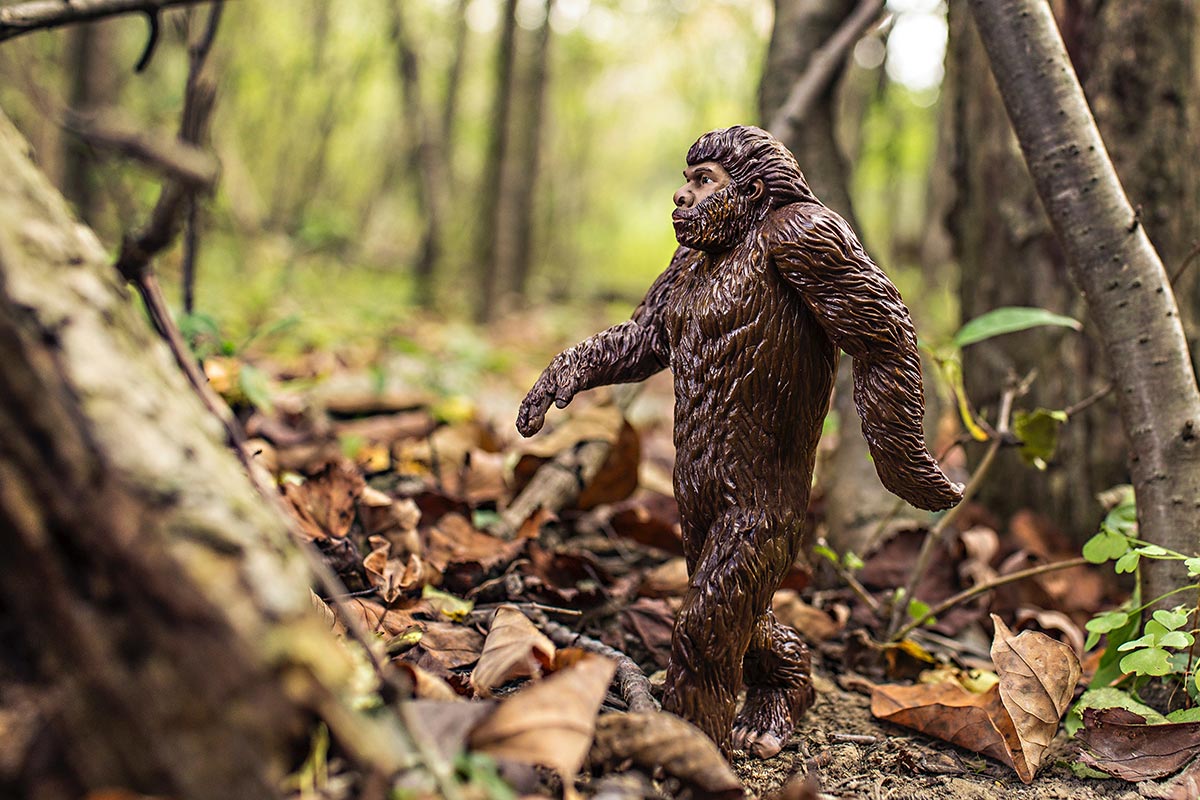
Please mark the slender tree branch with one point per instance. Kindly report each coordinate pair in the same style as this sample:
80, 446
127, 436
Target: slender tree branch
22, 18
983, 588
823, 69
938, 531
179, 160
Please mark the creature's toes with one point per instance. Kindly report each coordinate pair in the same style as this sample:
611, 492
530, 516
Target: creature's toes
740, 738
765, 745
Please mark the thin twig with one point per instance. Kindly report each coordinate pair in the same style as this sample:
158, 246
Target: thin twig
634, 685
938, 531
985, 587
1089, 401
1187, 262
22, 18
851, 581
823, 68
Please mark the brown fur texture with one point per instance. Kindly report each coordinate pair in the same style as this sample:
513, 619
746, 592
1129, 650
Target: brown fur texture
751, 326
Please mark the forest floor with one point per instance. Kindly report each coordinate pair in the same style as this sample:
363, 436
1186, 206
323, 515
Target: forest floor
403, 464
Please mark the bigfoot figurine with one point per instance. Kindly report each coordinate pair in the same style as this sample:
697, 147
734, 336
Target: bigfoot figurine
765, 289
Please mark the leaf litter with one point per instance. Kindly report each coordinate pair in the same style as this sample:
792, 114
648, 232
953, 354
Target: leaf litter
401, 506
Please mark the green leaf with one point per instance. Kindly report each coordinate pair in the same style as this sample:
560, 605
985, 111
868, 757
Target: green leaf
1184, 715
918, 609
825, 552
851, 561
1093, 639
1105, 546
1155, 628
1176, 639
1128, 562
481, 518
1151, 661
1148, 640
1123, 517
1193, 567
1038, 432
1153, 551
1010, 319
1108, 621
253, 383
1171, 620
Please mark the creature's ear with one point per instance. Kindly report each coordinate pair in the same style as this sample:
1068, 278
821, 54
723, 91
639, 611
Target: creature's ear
756, 189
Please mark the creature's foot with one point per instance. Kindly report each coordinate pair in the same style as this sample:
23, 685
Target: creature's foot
766, 721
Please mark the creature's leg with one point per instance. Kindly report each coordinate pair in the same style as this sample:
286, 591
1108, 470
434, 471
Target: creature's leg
741, 563
778, 688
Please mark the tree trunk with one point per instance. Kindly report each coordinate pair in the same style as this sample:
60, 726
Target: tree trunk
150, 590
492, 249
1114, 264
89, 73
426, 158
855, 501
529, 155
1137, 63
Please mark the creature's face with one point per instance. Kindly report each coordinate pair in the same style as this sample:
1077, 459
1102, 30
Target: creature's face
711, 213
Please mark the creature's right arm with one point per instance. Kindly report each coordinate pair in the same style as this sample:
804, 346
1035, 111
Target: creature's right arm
625, 353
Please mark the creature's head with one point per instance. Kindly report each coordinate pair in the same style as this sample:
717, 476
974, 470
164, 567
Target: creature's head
735, 176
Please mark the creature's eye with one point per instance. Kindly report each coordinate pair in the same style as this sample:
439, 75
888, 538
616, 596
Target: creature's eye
705, 179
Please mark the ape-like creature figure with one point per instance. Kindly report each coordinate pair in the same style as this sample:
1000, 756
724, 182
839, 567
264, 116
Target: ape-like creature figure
766, 286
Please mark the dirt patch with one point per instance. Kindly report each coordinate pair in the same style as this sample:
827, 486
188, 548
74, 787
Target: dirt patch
854, 755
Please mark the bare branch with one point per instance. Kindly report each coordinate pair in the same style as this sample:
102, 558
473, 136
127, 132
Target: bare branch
178, 160
44, 14
823, 69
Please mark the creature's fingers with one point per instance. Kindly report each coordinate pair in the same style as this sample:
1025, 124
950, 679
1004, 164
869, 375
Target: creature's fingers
532, 415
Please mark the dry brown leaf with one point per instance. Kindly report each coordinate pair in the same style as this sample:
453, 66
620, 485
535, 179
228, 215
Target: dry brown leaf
1013, 721
653, 621
324, 503
947, 711
550, 722
815, 624
514, 648
655, 739
427, 686
446, 723
1037, 681
1120, 742
394, 576
444, 646
669, 579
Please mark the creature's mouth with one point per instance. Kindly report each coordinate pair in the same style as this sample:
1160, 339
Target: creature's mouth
680, 215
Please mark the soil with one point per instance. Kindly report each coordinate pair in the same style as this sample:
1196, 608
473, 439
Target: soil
853, 755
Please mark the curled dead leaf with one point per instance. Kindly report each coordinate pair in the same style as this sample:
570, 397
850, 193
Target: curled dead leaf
1037, 681
655, 739
1119, 742
550, 722
669, 579
816, 625
427, 686
324, 504
396, 576
514, 648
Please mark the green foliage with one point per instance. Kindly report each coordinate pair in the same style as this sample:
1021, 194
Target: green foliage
1011, 319
1137, 650
1038, 432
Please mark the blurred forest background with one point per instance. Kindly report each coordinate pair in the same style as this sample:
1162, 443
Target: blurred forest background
478, 182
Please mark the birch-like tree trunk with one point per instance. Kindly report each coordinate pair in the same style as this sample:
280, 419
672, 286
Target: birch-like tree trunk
1113, 263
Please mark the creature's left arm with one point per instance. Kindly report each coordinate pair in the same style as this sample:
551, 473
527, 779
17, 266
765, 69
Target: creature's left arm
862, 313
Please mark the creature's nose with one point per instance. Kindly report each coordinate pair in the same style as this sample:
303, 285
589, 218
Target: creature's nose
683, 199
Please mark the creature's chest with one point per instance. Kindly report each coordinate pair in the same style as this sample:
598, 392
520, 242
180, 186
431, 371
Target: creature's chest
734, 294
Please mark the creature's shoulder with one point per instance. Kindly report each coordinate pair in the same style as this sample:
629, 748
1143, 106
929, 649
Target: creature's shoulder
797, 223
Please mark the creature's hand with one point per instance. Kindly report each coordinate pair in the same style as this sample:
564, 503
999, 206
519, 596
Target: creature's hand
556, 385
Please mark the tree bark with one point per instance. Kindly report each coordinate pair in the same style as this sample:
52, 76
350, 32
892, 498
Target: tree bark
492, 246
529, 156
1137, 63
150, 588
1114, 264
855, 501
89, 74
426, 158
